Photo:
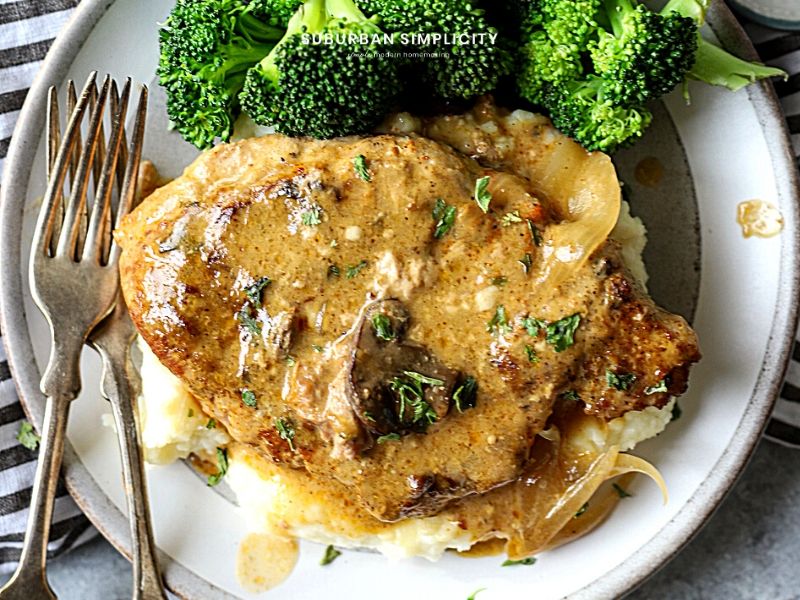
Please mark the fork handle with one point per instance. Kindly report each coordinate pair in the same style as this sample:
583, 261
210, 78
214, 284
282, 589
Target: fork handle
30, 576
146, 575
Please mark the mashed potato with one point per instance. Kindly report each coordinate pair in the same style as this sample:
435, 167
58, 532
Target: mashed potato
173, 426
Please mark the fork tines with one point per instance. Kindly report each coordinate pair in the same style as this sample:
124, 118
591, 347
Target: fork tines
98, 193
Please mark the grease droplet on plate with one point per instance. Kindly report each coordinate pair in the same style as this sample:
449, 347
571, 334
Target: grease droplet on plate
759, 218
649, 172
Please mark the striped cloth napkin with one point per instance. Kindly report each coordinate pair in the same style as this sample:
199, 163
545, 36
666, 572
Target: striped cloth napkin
27, 28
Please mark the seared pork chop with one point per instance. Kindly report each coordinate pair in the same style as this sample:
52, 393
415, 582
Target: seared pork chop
395, 312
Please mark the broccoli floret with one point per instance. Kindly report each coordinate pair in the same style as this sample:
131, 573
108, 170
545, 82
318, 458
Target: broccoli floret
457, 71
589, 112
569, 21
555, 36
593, 64
645, 54
544, 64
713, 65
323, 90
206, 47
275, 12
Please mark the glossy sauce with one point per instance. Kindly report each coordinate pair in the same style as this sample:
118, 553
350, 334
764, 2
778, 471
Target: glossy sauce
759, 218
265, 560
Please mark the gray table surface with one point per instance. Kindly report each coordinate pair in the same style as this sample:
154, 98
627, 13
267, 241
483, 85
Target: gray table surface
749, 550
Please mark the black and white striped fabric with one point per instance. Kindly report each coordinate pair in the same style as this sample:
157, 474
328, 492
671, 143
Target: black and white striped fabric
782, 50
27, 28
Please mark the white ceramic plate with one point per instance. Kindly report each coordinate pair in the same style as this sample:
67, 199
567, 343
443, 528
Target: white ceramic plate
722, 149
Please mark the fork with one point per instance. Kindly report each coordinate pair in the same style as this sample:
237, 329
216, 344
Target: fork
112, 339
74, 282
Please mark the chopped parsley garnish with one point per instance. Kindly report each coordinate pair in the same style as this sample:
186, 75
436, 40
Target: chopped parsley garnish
383, 327
511, 218
582, 509
475, 593
312, 217
524, 561
482, 195
331, 554
444, 216
661, 386
526, 262
222, 467
27, 436
499, 322
466, 394
360, 166
286, 431
253, 291
353, 270
531, 354
333, 271
410, 390
190, 414
571, 395
561, 333
619, 381
249, 398
290, 360
536, 235
676, 412
317, 348
212, 424
248, 321
621, 492
533, 325
500, 281
389, 437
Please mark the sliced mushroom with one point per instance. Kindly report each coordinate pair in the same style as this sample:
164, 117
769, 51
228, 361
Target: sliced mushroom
395, 386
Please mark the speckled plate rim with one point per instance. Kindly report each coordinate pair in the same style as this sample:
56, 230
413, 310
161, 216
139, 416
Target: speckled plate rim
112, 523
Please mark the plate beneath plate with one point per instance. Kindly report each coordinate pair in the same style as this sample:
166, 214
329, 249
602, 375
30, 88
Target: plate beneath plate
779, 14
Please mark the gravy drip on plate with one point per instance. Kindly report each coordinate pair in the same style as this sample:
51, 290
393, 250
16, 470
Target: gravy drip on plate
265, 560
759, 218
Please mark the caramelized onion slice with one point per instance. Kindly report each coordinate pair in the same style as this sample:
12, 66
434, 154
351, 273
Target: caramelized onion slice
580, 188
539, 532
627, 463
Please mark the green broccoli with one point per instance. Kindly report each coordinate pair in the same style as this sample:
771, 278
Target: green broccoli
460, 71
594, 64
545, 64
644, 54
206, 47
323, 89
555, 36
712, 64
590, 112
275, 12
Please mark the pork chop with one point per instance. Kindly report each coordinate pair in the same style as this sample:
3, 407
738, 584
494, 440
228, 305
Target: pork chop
399, 312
